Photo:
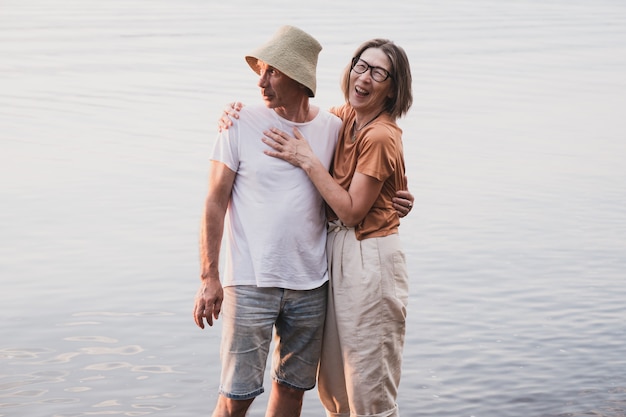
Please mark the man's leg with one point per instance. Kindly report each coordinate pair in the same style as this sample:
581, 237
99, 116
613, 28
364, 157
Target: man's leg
227, 407
298, 337
248, 316
284, 401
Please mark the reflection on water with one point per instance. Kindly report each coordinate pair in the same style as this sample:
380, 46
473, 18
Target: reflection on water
514, 151
92, 368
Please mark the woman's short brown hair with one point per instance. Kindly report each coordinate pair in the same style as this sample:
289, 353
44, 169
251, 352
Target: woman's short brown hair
400, 74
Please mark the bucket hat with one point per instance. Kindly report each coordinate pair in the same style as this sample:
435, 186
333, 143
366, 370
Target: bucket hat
293, 52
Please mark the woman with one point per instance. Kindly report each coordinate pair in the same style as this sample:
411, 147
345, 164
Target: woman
365, 323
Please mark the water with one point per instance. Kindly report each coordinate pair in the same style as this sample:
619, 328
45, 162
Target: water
515, 151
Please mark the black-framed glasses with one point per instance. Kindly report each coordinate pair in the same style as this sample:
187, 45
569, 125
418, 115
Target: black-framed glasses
378, 74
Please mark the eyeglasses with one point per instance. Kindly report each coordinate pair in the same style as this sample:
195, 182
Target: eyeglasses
378, 74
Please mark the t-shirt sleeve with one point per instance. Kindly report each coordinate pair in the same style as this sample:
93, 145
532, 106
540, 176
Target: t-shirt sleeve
377, 153
226, 148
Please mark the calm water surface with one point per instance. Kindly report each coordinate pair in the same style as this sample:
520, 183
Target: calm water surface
515, 151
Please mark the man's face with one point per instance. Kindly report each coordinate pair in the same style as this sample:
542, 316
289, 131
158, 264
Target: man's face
277, 89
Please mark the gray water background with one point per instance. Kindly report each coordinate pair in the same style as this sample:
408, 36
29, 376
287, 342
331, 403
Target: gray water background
515, 150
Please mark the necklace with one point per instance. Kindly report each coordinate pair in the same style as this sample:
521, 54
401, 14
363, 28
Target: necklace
355, 129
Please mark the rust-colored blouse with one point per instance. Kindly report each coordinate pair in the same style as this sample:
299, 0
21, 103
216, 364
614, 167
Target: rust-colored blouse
376, 152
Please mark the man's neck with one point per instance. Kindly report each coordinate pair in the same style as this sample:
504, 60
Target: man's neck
300, 113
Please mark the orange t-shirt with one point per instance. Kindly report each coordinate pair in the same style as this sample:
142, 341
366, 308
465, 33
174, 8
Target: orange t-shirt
376, 152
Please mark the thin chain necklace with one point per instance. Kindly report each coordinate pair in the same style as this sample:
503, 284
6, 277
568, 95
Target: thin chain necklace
355, 130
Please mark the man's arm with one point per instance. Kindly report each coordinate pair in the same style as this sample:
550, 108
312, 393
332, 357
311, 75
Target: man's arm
208, 302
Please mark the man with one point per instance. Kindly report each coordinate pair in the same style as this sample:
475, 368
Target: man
275, 273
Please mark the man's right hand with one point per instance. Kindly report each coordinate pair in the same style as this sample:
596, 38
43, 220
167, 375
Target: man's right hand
208, 303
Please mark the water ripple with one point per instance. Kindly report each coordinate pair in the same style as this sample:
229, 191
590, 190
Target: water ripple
100, 339
122, 350
108, 366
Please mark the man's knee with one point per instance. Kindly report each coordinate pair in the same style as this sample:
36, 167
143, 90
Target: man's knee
228, 407
284, 401
286, 391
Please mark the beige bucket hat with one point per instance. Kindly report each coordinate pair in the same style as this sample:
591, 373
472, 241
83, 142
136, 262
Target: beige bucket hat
291, 51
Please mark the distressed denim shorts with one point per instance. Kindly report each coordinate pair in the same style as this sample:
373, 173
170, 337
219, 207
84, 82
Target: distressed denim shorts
251, 317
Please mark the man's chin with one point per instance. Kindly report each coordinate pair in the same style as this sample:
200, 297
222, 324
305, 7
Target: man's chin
268, 102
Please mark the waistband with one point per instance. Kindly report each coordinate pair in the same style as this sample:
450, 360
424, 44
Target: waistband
337, 226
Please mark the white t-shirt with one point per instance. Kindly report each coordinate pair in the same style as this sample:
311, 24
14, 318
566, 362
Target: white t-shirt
275, 226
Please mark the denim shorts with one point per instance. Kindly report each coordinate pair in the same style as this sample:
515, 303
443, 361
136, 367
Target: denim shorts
251, 317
